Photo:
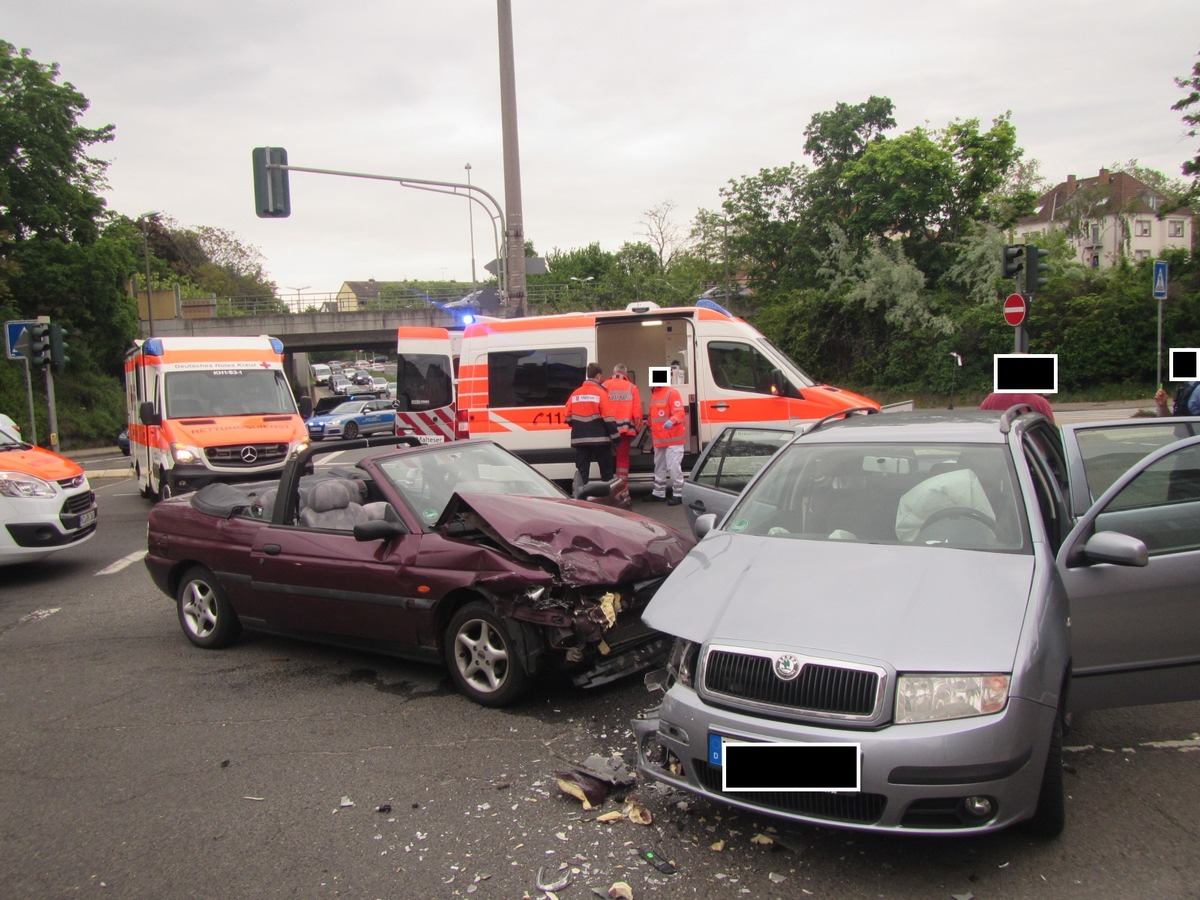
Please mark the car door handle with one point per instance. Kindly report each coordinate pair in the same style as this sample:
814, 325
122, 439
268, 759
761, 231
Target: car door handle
272, 549
720, 407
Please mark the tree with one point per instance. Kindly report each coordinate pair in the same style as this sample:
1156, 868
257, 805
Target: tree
49, 186
1189, 105
662, 233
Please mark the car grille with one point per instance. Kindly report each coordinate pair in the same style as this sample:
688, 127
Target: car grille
862, 809
235, 455
79, 503
820, 689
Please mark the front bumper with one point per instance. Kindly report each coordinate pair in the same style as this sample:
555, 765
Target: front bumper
915, 778
34, 528
193, 477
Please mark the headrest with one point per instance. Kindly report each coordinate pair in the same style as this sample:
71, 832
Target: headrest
327, 495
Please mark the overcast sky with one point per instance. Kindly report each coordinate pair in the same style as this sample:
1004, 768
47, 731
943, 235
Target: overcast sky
622, 105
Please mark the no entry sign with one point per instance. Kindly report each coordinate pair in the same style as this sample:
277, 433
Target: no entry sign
1014, 309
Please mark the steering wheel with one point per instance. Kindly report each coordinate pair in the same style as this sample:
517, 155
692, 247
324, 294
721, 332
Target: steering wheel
962, 512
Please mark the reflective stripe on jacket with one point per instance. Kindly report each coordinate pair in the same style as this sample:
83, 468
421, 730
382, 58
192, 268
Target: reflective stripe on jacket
626, 403
589, 415
668, 417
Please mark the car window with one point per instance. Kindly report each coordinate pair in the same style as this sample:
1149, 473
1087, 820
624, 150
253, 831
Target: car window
737, 456
929, 494
1107, 453
1161, 505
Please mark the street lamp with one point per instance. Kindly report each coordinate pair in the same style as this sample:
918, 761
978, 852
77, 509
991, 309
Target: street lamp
583, 280
144, 220
471, 219
298, 290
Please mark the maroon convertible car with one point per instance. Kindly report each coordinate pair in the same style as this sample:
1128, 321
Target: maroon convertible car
457, 552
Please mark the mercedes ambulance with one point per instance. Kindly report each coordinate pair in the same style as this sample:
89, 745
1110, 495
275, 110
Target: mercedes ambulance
512, 377
204, 409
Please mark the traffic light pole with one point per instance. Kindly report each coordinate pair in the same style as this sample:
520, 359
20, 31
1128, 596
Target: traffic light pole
53, 409
29, 397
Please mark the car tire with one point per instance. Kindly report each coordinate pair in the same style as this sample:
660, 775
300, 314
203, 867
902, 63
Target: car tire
1050, 817
205, 613
165, 491
351, 431
482, 656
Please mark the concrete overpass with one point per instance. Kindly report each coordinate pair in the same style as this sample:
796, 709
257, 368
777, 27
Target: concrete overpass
303, 333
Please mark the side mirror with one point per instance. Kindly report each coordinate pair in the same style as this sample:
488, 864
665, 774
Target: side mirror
147, 415
1116, 548
378, 530
306, 406
704, 524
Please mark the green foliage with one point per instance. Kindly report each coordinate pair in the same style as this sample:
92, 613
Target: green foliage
1189, 105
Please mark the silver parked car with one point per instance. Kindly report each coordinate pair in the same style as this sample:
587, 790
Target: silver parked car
887, 629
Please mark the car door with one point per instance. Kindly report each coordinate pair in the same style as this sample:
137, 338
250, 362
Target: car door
324, 581
1098, 453
379, 416
726, 467
1135, 622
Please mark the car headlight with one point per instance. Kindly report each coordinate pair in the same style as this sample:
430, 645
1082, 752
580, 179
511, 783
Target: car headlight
681, 663
27, 487
933, 698
184, 454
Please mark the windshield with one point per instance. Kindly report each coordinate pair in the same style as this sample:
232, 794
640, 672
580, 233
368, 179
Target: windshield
347, 409
428, 478
929, 494
228, 392
9, 436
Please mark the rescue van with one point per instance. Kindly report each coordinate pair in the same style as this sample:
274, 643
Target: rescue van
204, 409
46, 503
513, 377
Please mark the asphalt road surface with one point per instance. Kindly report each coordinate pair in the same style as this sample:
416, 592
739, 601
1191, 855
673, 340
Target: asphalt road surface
135, 765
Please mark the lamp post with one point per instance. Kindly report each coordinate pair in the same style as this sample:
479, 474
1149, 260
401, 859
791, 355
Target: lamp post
471, 219
144, 220
298, 290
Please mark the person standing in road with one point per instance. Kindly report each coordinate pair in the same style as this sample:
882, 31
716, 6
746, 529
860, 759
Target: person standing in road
592, 426
668, 430
1001, 402
626, 403
1186, 402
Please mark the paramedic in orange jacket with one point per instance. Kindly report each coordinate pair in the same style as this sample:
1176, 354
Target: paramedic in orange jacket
626, 403
592, 426
668, 428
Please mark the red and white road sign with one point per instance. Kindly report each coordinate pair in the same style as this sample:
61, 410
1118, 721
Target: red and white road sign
1014, 309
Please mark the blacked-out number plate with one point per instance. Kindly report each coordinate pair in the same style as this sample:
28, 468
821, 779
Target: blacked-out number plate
791, 767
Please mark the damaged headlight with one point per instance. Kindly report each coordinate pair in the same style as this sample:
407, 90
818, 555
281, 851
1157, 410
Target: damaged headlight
681, 664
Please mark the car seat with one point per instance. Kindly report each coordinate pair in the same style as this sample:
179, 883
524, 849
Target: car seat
329, 506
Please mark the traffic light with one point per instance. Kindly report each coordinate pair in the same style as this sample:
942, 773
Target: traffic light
272, 197
58, 347
39, 344
1034, 268
1010, 261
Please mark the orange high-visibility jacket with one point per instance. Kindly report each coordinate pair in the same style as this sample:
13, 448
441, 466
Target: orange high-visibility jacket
589, 415
668, 417
626, 403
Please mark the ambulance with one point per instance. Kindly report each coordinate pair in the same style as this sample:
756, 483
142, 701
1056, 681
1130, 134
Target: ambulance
204, 409
511, 378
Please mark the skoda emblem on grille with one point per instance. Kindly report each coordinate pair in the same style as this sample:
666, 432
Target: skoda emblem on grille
787, 666
249, 455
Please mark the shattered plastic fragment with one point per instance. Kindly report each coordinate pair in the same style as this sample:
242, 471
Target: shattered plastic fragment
613, 816
346, 801
587, 790
776, 878
620, 891
762, 839
636, 812
717, 845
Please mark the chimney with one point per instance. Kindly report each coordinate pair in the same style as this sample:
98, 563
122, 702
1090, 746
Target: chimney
1071, 185
1105, 176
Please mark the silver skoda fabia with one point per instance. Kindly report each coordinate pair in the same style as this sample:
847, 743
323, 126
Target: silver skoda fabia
887, 629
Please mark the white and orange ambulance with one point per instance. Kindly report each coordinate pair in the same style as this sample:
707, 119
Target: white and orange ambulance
204, 409
512, 377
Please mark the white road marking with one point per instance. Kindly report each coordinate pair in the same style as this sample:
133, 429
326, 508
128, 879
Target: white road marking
122, 563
